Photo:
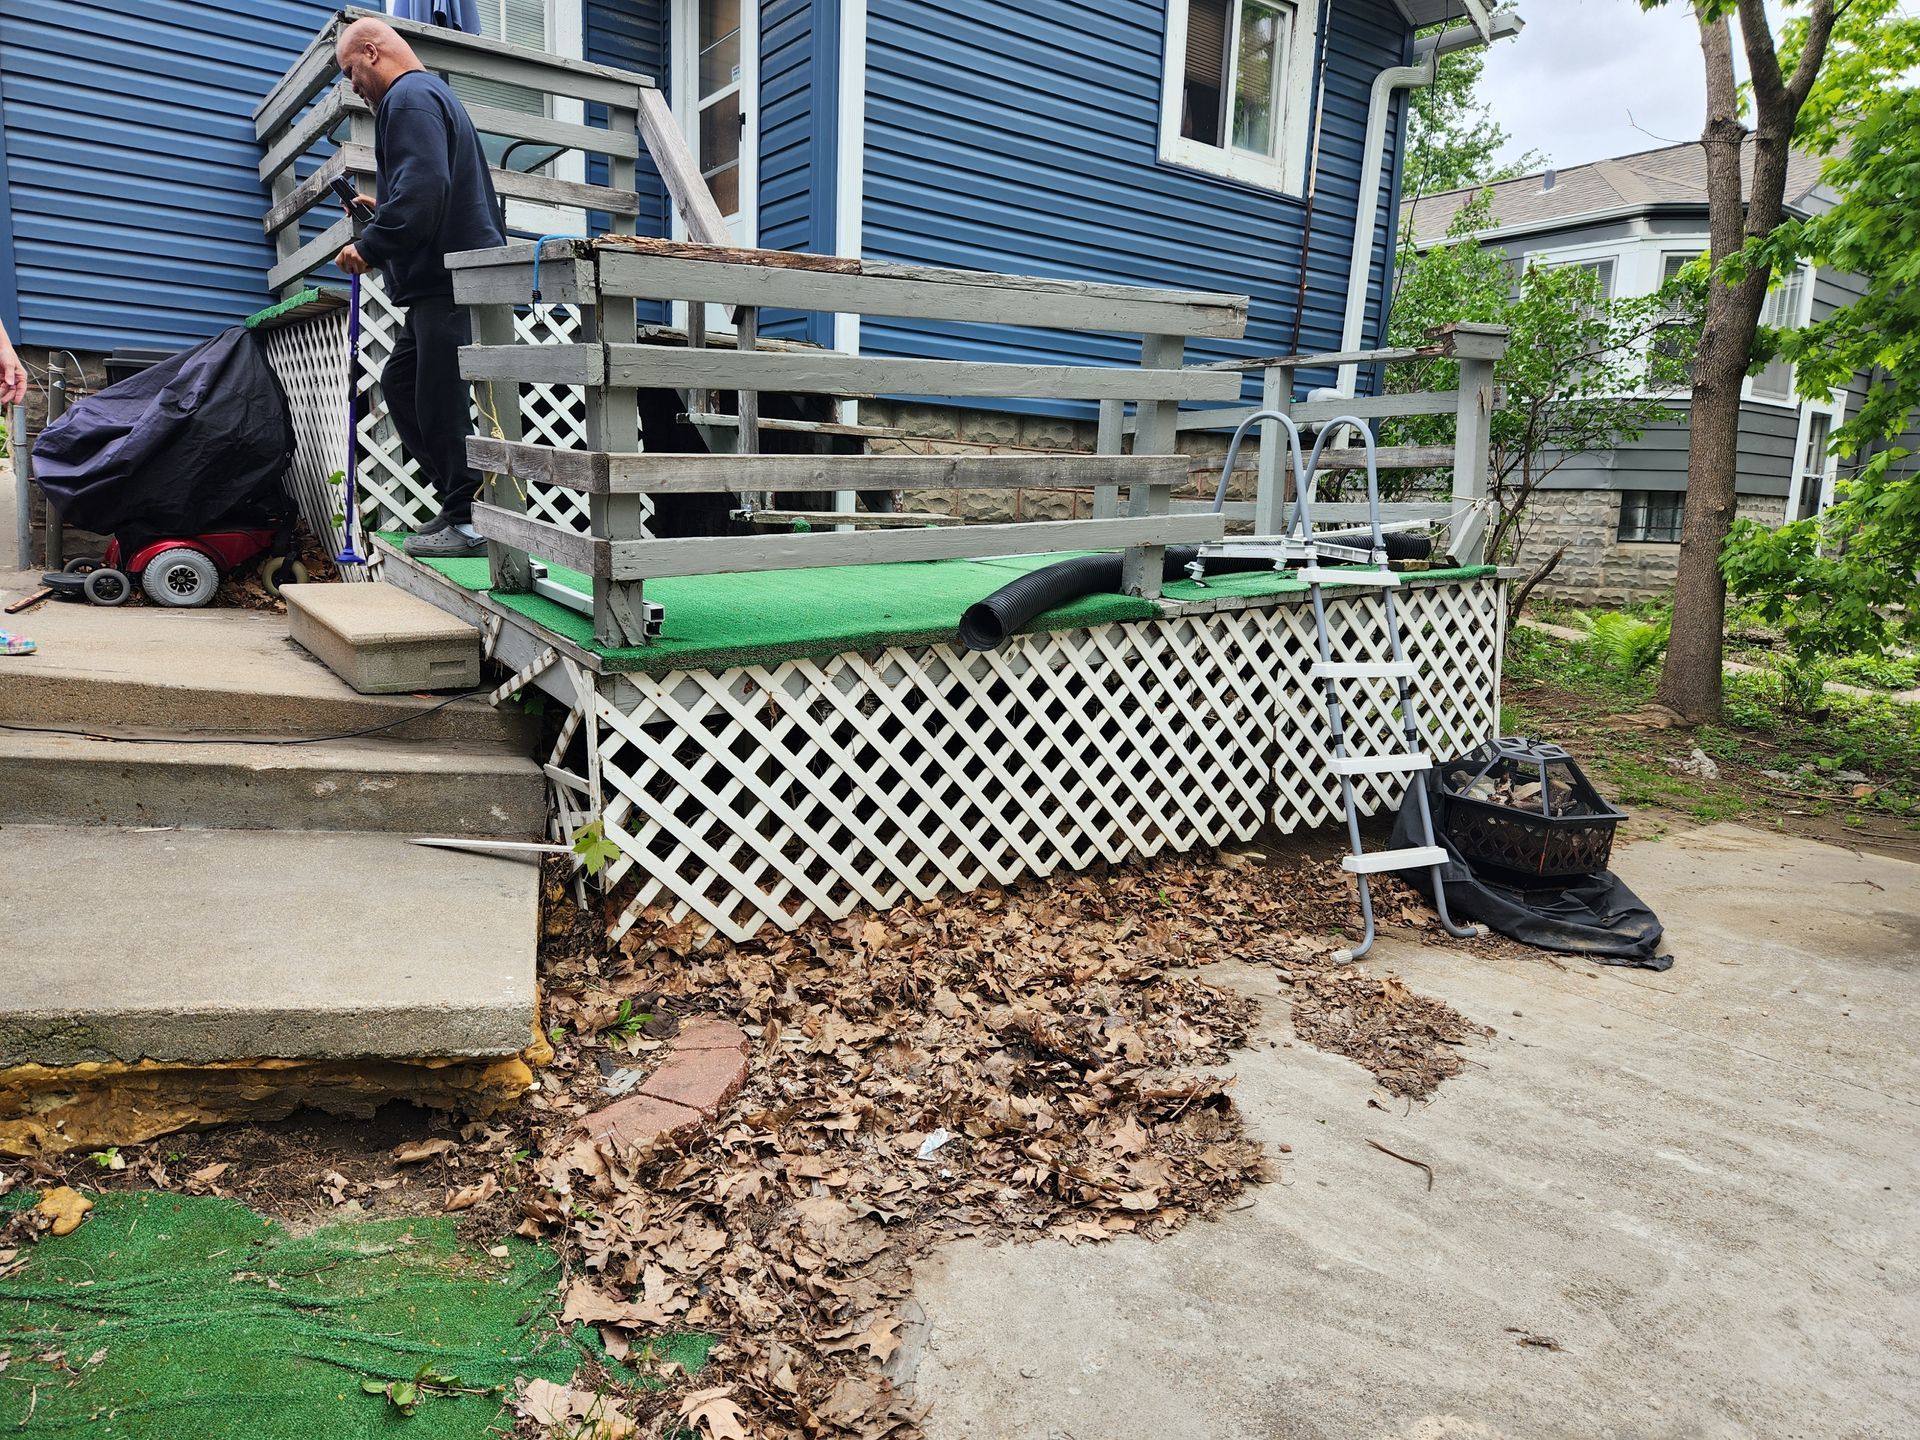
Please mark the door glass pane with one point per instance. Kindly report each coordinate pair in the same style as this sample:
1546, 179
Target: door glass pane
1203, 101
1256, 92
720, 133
719, 44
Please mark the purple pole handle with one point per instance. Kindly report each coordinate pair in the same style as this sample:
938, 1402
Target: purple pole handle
348, 555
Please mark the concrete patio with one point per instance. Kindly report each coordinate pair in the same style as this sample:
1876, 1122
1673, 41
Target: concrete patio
1704, 1185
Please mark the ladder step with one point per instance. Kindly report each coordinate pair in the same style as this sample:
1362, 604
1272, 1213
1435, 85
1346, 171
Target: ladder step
1384, 579
1364, 670
1419, 858
1402, 764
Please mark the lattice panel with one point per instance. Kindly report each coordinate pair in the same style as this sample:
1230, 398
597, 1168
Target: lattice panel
311, 360
768, 795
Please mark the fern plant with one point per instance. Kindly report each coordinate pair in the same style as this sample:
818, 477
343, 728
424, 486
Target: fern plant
1623, 642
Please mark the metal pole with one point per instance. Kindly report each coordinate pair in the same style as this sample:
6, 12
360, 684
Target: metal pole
56, 534
22, 489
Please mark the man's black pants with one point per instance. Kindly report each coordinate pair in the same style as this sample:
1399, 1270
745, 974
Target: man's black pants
431, 404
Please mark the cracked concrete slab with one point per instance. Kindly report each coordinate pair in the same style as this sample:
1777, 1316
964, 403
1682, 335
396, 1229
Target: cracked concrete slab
1704, 1185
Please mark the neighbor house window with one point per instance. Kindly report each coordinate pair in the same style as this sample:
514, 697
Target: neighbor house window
1237, 80
1652, 516
1813, 465
1783, 311
1677, 341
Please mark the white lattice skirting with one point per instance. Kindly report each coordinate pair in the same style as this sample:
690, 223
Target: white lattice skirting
767, 795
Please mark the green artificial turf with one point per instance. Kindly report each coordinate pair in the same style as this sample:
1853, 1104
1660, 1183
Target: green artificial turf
764, 617
167, 1317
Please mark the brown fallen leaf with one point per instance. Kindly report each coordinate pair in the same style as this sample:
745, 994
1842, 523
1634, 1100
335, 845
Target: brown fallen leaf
715, 1412
468, 1196
576, 1414
66, 1207
1537, 1342
412, 1152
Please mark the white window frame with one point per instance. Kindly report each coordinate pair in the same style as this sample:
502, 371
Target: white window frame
1286, 172
1836, 413
1802, 317
685, 21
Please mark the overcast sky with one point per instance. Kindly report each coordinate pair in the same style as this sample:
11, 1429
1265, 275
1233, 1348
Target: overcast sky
1585, 73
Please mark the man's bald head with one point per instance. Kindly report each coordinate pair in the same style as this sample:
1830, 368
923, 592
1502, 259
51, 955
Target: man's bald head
372, 55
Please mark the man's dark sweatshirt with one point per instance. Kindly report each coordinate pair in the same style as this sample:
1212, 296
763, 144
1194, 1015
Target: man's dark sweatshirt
435, 195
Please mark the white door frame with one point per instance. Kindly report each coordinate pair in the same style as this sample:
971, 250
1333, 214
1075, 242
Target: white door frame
684, 91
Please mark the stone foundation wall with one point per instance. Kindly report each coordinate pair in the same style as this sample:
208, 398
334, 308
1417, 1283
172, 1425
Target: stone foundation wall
1599, 569
947, 429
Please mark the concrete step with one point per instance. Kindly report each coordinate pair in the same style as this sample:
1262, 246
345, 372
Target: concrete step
371, 784
208, 671
212, 945
381, 640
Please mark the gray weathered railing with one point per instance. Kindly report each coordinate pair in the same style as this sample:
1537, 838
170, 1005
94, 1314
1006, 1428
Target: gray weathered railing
312, 110
1474, 348
604, 278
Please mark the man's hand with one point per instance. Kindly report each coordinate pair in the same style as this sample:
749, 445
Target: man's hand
349, 260
13, 375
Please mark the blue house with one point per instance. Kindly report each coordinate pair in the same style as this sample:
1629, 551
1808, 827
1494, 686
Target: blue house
1250, 146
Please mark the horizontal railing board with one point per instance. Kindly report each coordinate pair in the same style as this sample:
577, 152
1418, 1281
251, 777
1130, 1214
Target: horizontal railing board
828, 373
963, 296
1318, 412
309, 130
660, 559
545, 190
630, 560
312, 255
671, 474
541, 364
563, 281
347, 160
591, 139
1331, 513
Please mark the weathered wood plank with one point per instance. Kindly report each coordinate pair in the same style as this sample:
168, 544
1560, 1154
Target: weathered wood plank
540, 364
1342, 513
583, 470
774, 280
562, 282
312, 128
517, 125
545, 190
1391, 457
668, 149
726, 253
553, 543
312, 255
1316, 412
1327, 361
660, 559
827, 373
347, 160
662, 474
872, 519
302, 80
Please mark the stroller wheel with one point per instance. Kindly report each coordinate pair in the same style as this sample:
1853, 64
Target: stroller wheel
107, 586
274, 573
80, 565
181, 578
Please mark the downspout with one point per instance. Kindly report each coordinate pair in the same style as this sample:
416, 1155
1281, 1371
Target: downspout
1386, 85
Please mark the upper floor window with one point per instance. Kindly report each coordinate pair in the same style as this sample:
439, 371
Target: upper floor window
1785, 310
1239, 75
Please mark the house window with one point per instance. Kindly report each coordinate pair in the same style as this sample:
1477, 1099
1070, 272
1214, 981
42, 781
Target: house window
1237, 80
1783, 311
1676, 343
1652, 516
518, 22
1813, 465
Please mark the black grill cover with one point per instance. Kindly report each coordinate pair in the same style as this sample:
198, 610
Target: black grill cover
198, 442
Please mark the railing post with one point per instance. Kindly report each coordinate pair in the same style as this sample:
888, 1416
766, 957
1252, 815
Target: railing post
1109, 440
1154, 433
1270, 497
500, 414
1476, 348
613, 427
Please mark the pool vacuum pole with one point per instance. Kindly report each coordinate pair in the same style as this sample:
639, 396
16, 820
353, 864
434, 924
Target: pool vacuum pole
357, 212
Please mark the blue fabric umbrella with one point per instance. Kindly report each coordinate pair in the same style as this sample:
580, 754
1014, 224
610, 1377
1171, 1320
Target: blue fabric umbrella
453, 14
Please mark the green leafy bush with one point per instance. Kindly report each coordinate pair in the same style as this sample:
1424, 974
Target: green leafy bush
1624, 642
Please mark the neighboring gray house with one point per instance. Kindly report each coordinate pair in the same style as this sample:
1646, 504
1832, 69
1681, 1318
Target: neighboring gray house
1635, 220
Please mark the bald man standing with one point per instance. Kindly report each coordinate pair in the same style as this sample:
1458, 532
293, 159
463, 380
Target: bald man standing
435, 196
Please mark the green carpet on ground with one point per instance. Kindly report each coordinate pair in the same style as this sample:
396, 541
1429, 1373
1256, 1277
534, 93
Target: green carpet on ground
764, 617
166, 1317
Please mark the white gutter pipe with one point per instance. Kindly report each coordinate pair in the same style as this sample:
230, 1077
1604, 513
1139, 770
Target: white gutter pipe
1427, 49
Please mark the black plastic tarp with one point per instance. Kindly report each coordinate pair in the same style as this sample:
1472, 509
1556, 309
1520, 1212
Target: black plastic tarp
1595, 916
197, 442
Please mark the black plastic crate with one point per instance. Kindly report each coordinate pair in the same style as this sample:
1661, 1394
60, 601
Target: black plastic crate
1527, 808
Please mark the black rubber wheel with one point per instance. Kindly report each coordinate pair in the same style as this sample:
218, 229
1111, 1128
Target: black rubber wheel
274, 566
181, 578
80, 565
107, 586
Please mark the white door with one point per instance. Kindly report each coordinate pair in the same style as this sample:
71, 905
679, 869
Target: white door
716, 93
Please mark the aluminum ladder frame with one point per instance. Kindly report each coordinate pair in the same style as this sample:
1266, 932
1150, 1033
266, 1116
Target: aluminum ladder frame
1299, 543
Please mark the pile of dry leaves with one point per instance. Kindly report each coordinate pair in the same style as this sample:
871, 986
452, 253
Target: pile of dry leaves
1015, 1064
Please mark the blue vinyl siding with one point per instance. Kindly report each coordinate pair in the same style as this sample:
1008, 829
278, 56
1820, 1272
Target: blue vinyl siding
629, 35
133, 200
792, 109
1025, 139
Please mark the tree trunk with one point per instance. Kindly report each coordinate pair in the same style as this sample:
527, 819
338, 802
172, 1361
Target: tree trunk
1691, 682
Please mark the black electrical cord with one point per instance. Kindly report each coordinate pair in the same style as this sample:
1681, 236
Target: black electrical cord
240, 740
